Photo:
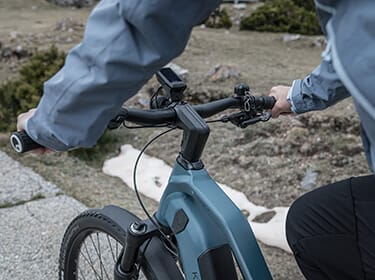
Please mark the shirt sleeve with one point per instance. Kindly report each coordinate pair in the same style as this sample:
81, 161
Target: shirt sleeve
319, 90
125, 43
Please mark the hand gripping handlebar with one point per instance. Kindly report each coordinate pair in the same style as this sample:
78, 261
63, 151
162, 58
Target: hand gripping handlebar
21, 142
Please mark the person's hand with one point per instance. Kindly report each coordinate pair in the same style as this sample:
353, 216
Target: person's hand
22, 119
282, 106
21, 123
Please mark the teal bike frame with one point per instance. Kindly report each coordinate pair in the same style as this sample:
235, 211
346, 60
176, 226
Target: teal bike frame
211, 233
206, 219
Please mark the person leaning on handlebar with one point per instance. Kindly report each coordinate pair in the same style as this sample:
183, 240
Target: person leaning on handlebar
127, 41
331, 230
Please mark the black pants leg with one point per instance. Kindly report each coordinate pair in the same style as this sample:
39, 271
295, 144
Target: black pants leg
331, 230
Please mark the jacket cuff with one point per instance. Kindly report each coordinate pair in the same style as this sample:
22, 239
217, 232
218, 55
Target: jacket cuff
296, 98
44, 141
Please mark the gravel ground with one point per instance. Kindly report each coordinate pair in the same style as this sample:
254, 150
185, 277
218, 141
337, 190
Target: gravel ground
33, 216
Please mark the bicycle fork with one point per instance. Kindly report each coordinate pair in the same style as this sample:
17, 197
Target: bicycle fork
137, 234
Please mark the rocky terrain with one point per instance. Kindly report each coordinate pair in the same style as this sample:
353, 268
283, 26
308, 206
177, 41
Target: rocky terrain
273, 163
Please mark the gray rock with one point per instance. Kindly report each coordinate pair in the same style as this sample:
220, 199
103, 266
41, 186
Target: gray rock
74, 3
309, 181
222, 72
20, 52
69, 25
290, 37
19, 184
7, 52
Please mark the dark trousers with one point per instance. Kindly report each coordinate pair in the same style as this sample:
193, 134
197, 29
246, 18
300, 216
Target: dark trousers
331, 230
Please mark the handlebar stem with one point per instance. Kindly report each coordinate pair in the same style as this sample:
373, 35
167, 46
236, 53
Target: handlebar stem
195, 132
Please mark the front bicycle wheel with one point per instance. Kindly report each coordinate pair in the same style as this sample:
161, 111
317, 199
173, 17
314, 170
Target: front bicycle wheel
94, 241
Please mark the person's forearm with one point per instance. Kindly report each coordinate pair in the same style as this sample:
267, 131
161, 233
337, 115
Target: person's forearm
319, 90
125, 43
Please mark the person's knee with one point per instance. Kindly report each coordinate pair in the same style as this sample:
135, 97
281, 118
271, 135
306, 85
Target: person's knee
303, 216
295, 220
326, 210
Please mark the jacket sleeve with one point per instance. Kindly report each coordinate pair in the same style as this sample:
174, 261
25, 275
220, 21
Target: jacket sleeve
319, 90
125, 43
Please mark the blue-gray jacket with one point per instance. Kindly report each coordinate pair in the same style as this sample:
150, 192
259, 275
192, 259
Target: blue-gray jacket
347, 67
127, 41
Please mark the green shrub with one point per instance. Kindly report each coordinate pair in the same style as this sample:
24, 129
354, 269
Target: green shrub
282, 16
306, 4
219, 19
21, 94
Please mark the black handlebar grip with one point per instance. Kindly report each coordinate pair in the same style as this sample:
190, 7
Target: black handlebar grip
21, 142
269, 102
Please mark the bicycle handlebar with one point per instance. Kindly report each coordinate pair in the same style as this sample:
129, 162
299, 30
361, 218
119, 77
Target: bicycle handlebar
217, 106
21, 142
168, 115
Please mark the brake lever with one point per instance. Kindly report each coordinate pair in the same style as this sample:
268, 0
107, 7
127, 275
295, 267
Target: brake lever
265, 116
243, 119
236, 118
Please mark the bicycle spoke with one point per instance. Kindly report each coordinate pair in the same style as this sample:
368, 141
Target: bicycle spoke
89, 262
97, 276
100, 260
99, 255
102, 267
83, 277
116, 249
110, 246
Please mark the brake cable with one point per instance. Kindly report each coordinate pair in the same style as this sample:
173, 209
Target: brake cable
174, 252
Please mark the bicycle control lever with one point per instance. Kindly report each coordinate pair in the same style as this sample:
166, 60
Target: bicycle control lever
265, 116
244, 119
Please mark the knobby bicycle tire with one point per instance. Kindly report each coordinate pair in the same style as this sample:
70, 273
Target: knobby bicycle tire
102, 233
